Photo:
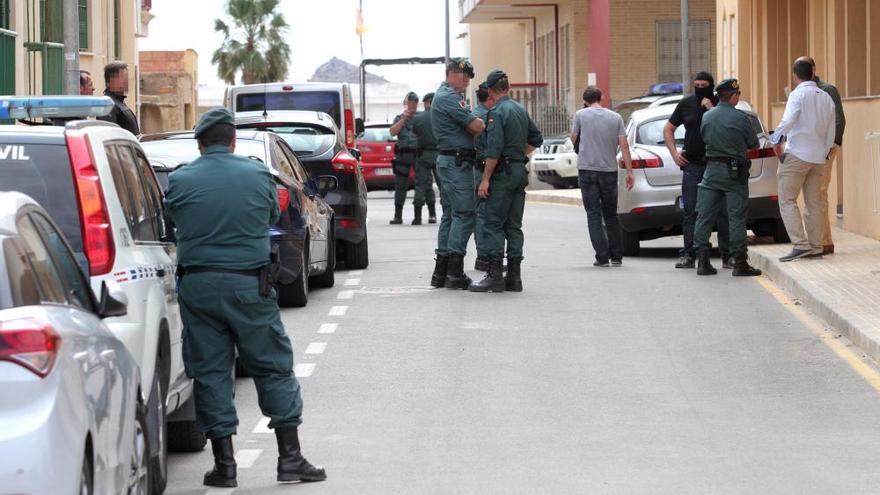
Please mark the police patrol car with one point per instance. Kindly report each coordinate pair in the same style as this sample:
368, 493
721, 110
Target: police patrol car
93, 178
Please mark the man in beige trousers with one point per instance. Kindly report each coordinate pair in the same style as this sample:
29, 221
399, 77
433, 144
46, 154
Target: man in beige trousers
808, 126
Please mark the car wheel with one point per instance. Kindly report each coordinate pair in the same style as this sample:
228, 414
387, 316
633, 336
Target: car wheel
185, 436
328, 278
159, 462
780, 235
139, 469
630, 243
86, 476
296, 294
357, 256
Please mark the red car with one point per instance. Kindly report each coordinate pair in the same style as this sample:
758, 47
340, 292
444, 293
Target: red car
376, 145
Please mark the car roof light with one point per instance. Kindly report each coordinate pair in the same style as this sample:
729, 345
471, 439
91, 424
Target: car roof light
30, 107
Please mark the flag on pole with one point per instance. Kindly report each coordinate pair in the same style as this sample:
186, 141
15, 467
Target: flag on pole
360, 27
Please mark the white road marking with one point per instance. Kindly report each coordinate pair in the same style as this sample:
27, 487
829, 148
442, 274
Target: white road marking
345, 294
352, 281
262, 426
246, 458
338, 310
219, 491
328, 328
316, 348
304, 370
355, 273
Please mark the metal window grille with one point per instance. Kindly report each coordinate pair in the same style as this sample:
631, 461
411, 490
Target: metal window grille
4, 14
7, 61
669, 49
83, 24
117, 30
51, 21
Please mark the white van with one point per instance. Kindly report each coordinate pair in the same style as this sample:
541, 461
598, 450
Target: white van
333, 99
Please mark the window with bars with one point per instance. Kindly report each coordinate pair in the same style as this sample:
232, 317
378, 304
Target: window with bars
669, 49
4, 14
51, 21
117, 30
83, 24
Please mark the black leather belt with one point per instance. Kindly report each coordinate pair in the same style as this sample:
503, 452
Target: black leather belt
724, 159
406, 150
189, 270
462, 153
429, 148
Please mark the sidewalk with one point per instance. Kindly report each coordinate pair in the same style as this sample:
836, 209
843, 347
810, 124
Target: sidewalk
843, 289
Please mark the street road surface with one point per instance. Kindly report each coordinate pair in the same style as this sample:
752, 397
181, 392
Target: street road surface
635, 380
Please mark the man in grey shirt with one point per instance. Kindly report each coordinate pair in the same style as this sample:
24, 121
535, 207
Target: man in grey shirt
601, 132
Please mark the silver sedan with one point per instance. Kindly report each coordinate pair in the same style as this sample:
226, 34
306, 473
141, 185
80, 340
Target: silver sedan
71, 412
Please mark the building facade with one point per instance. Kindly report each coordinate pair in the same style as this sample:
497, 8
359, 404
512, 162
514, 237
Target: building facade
758, 42
168, 90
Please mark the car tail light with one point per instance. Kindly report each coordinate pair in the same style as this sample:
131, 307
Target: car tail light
286, 88
775, 199
29, 343
639, 211
283, 198
97, 233
348, 223
344, 162
653, 161
760, 153
349, 128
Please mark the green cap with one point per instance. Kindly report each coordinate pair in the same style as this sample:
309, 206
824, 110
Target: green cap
411, 96
493, 78
728, 85
213, 117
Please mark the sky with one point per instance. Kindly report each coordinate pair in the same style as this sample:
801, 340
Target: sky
319, 30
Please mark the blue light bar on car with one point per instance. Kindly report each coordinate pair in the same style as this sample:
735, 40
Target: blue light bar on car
30, 107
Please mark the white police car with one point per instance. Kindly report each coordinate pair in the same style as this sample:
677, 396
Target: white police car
95, 182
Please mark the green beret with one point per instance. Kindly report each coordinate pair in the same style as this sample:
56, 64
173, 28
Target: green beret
493, 78
428, 97
462, 65
411, 96
728, 85
213, 117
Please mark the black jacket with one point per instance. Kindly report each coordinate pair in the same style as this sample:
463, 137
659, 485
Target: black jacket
121, 115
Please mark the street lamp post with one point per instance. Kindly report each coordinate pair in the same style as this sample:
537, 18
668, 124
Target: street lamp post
70, 24
685, 49
446, 4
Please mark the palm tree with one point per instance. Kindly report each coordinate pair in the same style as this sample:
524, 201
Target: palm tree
254, 45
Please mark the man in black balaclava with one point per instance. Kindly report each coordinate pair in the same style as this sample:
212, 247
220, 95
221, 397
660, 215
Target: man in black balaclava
692, 161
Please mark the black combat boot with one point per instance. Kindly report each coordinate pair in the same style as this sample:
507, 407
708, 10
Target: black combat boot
704, 266
481, 264
742, 268
223, 473
455, 276
292, 466
513, 282
417, 215
432, 213
398, 215
441, 266
494, 279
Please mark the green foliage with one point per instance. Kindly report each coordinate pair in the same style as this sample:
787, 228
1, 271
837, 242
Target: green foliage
253, 42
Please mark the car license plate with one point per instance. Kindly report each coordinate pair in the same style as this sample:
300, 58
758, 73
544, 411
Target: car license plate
540, 166
384, 171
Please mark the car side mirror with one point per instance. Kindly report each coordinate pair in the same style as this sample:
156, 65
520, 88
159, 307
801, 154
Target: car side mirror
355, 153
114, 301
326, 184
358, 125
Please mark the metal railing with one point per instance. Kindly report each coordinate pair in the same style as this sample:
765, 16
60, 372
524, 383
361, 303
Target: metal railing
52, 64
552, 117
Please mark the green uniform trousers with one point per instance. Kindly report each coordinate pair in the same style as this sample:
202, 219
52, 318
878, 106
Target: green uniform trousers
223, 311
504, 212
457, 222
717, 185
401, 182
479, 218
426, 169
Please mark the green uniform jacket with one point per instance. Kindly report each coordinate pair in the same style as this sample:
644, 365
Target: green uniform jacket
406, 138
839, 117
480, 141
421, 127
727, 132
508, 131
216, 229
450, 117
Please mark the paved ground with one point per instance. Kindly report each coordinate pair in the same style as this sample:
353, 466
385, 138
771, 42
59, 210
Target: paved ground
642, 379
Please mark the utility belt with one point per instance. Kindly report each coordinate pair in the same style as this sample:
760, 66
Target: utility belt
505, 164
405, 151
737, 168
426, 149
267, 273
401, 166
464, 157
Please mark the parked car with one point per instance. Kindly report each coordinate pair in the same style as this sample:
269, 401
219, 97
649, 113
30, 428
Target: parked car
653, 208
333, 99
72, 414
377, 145
555, 163
627, 107
94, 180
305, 232
320, 148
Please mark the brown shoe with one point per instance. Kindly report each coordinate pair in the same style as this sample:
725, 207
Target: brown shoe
829, 249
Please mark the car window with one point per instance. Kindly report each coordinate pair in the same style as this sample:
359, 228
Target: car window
75, 284
141, 222
22, 279
328, 102
116, 171
651, 133
377, 134
51, 285
298, 170
304, 139
280, 161
185, 150
626, 109
153, 193
756, 124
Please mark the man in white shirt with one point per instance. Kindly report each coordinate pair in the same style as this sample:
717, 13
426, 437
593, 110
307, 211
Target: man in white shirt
808, 126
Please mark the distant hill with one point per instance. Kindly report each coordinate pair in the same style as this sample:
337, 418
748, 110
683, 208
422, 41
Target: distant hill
337, 70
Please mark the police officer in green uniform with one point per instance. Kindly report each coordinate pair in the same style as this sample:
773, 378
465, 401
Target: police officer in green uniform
223, 206
455, 126
511, 137
426, 164
404, 154
728, 134
484, 104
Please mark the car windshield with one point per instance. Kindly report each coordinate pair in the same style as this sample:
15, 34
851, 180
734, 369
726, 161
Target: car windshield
304, 139
377, 134
184, 150
42, 171
318, 101
651, 133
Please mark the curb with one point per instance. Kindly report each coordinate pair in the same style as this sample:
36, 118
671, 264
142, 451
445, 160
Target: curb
815, 304
553, 199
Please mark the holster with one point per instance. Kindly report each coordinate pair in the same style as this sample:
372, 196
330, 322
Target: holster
737, 169
399, 167
269, 273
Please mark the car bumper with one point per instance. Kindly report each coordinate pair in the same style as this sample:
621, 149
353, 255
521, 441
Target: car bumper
665, 220
381, 176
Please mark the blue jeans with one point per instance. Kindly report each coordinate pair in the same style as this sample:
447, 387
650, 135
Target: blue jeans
599, 193
692, 175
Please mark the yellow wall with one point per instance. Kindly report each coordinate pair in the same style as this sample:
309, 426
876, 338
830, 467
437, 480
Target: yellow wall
499, 45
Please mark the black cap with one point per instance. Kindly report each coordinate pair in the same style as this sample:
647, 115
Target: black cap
461, 65
428, 97
411, 96
728, 85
